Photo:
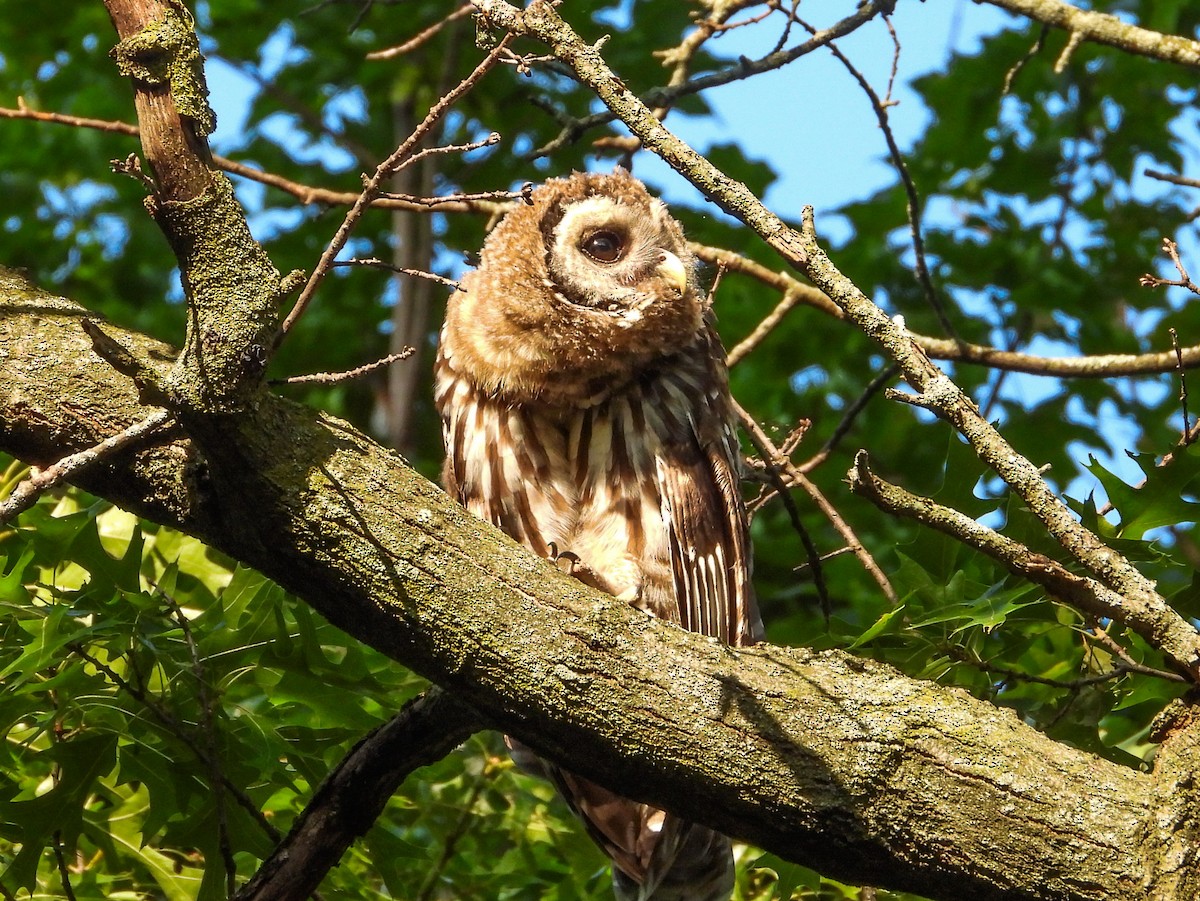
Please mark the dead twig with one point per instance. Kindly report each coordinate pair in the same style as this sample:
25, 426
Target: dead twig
331, 378
374, 263
375, 183
25, 495
421, 37
1171, 249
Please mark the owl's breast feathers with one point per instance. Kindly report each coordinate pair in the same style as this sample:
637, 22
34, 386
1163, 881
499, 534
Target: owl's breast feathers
638, 480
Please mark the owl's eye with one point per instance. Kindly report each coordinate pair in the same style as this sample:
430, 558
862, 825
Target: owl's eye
604, 246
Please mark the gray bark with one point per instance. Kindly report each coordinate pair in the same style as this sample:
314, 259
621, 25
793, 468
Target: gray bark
838, 763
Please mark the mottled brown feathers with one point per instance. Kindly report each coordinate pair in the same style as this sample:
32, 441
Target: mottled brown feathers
586, 411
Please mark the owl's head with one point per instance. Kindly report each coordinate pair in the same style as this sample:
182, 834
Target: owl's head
591, 281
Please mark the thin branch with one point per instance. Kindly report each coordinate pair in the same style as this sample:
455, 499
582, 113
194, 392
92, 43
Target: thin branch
375, 183
25, 495
466, 817
176, 729
374, 263
913, 199
1096, 366
775, 462
524, 195
1014, 675
743, 68
1102, 635
330, 378
24, 112
406, 161
1011, 75
328, 197
847, 421
1171, 249
781, 281
64, 872
421, 37
1102, 28
1183, 392
784, 475
1086, 594
208, 730
1173, 179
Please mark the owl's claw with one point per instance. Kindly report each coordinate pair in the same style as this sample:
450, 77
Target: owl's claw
568, 562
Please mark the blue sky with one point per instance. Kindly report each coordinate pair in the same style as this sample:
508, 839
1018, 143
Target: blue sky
814, 111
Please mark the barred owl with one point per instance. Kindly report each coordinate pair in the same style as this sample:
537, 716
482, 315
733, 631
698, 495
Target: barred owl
586, 412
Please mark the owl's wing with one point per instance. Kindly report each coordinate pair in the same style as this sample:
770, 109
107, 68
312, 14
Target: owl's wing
707, 533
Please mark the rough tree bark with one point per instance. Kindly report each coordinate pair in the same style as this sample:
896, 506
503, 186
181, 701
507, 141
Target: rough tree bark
831, 761
820, 757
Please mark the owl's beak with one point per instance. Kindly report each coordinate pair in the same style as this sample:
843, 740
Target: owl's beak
672, 269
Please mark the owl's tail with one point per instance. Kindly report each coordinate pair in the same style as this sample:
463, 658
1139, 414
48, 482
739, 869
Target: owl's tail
689, 863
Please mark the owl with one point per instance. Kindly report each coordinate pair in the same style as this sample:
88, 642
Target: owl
586, 412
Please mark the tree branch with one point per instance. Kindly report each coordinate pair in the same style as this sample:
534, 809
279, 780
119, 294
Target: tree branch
355, 793
824, 759
1102, 28
796, 293
1084, 594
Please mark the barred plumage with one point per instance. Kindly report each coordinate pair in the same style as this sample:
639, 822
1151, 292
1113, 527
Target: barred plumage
586, 410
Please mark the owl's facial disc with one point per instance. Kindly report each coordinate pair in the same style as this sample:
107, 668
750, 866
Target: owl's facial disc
613, 257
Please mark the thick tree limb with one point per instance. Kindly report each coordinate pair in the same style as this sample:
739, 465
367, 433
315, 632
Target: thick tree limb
822, 758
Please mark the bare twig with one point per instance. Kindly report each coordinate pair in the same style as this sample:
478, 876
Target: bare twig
1101, 634
330, 378
176, 729
1074, 40
375, 183
1183, 392
775, 462
1020, 64
303, 193
1013, 675
25, 112
421, 37
847, 421
785, 475
1173, 179
1096, 366
64, 872
374, 263
743, 68
466, 817
1171, 249
26, 494
208, 729
524, 195
490, 141
910, 188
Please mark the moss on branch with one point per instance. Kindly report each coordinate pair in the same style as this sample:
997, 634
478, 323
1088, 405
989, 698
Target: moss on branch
820, 757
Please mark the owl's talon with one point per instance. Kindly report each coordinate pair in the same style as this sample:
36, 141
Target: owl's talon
566, 561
